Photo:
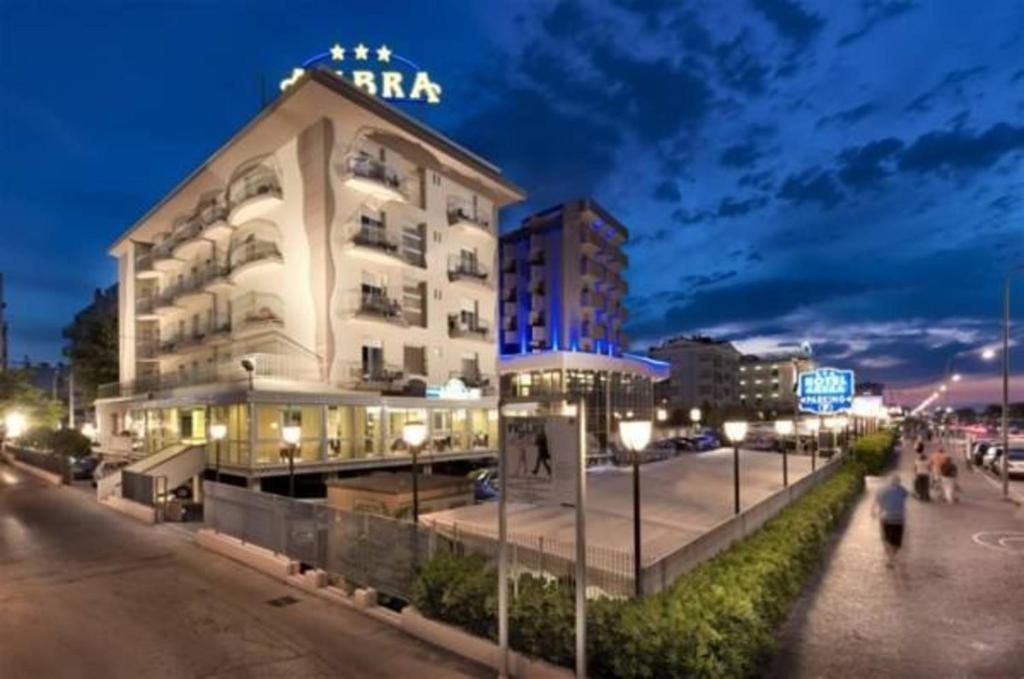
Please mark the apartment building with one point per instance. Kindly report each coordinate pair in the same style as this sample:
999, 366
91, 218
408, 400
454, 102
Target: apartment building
703, 373
330, 267
562, 311
769, 382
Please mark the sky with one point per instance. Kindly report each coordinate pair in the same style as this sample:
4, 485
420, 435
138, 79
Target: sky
850, 174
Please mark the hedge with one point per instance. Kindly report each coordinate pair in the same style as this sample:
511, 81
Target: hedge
61, 441
719, 619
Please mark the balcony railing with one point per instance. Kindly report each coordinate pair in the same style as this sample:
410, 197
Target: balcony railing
459, 215
257, 181
368, 375
474, 379
375, 237
379, 305
254, 251
471, 328
371, 170
463, 269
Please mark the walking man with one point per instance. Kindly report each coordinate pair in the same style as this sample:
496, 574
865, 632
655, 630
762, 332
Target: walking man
891, 507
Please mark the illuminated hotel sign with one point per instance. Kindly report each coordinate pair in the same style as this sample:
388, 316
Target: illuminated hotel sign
825, 390
378, 71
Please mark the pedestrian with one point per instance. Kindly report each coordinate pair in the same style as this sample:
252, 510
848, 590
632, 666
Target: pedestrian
891, 507
922, 478
948, 473
919, 447
937, 459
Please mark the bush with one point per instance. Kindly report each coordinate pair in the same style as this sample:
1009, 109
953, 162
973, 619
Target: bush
717, 620
873, 452
61, 441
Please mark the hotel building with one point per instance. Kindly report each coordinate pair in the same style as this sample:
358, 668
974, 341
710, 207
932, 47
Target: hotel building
562, 296
768, 383
332, 266
703, 373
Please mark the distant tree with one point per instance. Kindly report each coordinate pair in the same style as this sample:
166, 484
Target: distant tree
993, 411
18, 394
967, 415
91, 346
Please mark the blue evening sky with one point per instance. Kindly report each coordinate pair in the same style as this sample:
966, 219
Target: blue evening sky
847, 173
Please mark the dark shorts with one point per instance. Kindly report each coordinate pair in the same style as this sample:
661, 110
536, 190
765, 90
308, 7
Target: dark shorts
893, 533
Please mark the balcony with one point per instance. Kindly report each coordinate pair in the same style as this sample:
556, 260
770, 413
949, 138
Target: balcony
469, 219
377, 306
144, 266
590, 270
468, 271
163, 255
145, 308
252, 256
214, 219
147, 349
474, 379
253, 193
370, 176
375, 376
187, 241
590, 242
468, 327
256, 311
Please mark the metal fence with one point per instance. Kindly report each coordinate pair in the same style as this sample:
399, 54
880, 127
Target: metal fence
138, 487
51, 462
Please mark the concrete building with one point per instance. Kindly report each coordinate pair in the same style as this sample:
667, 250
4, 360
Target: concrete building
330, 267
704, 373
768, 383
562, 311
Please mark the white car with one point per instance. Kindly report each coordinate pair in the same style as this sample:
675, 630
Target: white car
993, 454
1015, 461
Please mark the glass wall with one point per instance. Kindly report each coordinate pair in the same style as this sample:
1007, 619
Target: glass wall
235, 446
270, 423
397, 419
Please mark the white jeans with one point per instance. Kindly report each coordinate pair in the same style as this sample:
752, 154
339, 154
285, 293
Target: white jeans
948, 488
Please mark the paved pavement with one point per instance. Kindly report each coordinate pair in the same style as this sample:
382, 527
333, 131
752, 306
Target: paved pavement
953, 606
87, 592
681, 498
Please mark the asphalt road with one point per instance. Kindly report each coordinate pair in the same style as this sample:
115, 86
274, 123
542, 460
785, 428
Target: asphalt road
953, 606
87, 592
681, 498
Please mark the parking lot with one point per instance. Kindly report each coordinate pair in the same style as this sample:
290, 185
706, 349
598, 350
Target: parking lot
681, 498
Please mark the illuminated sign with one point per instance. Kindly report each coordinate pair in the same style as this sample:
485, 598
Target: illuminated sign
825, 390
377, 71
454, 390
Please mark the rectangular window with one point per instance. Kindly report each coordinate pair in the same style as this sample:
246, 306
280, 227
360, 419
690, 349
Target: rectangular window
373, 361
414, 244
414, 303
415, 360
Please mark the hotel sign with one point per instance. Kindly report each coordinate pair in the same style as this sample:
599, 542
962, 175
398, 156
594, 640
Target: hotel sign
377, 71
825, 390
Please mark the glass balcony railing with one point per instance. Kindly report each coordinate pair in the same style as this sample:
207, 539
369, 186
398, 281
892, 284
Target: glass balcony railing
460, 268
471, 327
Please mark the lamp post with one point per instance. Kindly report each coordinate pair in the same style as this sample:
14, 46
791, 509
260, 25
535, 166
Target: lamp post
217, 433
414, 434
291, 434
843, 424
1006, 378
784, 428
635, 435
814, 426
15, 425
736, 432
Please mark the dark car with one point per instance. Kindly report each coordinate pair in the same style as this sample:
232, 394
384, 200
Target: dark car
684, 443
83, 467
978, 453
485, 484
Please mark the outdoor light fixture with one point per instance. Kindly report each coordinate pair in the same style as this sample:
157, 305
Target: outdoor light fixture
813, 425
957, 377
15, 425
783, 427
662, 414
291, 434
942, 388
736, 432
414, 434
635, 435
249, 367
988, 354
786, 428
217, 433
89, 430
695, 415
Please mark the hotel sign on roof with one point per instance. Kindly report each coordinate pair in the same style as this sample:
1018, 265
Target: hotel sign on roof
378, 71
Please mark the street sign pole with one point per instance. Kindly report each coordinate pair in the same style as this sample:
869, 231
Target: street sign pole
502, 549
581, 543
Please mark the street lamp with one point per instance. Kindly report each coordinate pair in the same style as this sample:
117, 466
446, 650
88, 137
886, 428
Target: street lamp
736, 432
988, 354
414, 434
814, 426
1006, 377
695, 415
635, 435
15, 425
217, 433
784, 428
291, 434
661, 414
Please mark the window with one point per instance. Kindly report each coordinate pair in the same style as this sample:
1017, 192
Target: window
372, 360
415, 360
414, 303
414, 244
471, 369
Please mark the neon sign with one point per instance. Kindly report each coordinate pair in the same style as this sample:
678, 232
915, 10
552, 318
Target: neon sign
380, 72
825, 390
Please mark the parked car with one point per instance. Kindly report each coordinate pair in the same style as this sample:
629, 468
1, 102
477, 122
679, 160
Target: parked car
1015, 462
82, 468
706, 441
485, 483
993, 454
684, 443
978, 451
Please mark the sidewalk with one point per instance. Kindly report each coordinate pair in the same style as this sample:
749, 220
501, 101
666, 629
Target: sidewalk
953, 607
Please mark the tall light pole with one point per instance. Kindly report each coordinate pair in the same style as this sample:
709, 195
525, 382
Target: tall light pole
814, 425
414, 434
784, 428
291, 434
736, 432
695, 418
1006, 378
635, 435
217, 433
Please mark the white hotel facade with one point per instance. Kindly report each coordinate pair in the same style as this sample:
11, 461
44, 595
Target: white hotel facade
344, 252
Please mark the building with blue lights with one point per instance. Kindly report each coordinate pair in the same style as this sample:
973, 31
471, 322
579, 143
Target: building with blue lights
562, 291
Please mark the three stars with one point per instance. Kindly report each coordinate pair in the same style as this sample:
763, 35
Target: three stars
361, 53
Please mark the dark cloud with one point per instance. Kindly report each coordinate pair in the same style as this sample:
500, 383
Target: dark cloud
1005, 203
730, 207
757, 180
667, 191
738, 67
566, 19
740, 155
876, 12
848, 116
862, 167
813, 186
1018, 75
791, 20
953, 82
694, 282
961, 149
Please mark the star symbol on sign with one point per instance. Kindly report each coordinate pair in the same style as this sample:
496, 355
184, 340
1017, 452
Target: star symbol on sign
362, 51
384, 54
337, 52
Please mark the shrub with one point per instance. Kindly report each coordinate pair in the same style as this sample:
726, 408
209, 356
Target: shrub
873, 452
61, 441
717, 620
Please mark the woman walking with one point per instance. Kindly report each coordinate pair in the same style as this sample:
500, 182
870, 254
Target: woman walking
922, 479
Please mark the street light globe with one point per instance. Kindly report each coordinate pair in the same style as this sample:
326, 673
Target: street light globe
957, 377
15, 424
695, 415
736, 431
988, 354
89, 430
219, 431
414, 433
783, 427
291, 434
661, 414
942, 388
635, 434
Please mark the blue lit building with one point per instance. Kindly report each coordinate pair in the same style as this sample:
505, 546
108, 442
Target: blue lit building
562, 292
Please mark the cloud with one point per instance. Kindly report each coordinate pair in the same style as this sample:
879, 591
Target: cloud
701, 281
813, 186
730, 207
861, 167
738, 67
667, 192
791, 20
848, 116
740, 155
877, 13
961, 149
953, 82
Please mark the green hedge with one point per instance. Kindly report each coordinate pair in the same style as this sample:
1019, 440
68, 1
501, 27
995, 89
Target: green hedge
718, 620
61, 441
873, 452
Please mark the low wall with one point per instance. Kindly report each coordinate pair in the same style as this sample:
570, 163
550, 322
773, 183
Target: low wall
133, 509
46, 475
661, 575
259, 558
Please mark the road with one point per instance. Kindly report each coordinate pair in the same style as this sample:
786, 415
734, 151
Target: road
681, 498
87, 592
952, 607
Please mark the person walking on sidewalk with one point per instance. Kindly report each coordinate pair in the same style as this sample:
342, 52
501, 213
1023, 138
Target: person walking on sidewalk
948, 473
936, 460
922, 478
891, 506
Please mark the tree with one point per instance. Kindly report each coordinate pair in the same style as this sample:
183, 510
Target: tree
18, 395
966, 415
91, 344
